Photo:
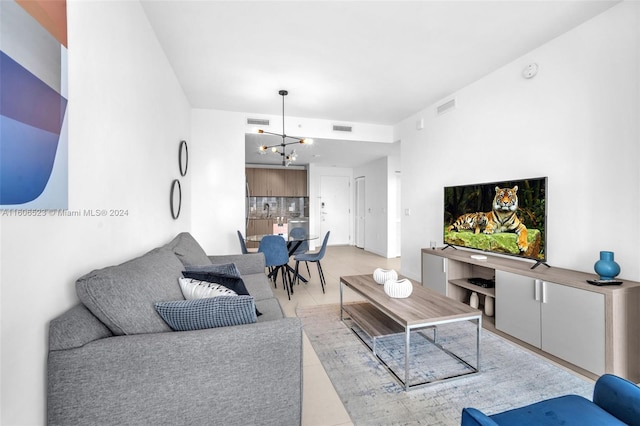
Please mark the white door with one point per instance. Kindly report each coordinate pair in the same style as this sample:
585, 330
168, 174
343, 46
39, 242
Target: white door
335, 214
360, 213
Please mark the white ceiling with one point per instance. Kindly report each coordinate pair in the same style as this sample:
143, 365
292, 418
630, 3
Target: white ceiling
348, 61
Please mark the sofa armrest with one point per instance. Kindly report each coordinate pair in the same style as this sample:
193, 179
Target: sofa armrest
248, 374
474, 417
251, 263
619, 397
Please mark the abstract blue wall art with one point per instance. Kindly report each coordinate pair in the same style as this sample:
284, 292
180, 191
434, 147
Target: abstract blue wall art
33, 105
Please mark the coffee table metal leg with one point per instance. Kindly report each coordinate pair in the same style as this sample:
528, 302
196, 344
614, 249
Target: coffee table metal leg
479, 331
341, 299
407, 347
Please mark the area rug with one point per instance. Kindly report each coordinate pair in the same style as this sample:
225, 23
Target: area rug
510, 377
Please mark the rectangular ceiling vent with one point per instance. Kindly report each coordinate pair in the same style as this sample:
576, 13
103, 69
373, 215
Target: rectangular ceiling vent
338, 128
447, 106
258, 121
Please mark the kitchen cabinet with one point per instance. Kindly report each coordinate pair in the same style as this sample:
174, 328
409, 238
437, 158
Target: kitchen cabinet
295, 183
263, 182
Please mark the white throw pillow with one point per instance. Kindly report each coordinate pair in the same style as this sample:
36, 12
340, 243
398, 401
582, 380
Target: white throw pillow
196, 289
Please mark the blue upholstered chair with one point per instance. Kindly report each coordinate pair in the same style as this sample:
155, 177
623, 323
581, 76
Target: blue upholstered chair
276, 256
243, 246
314, 257
616, 401
304, 245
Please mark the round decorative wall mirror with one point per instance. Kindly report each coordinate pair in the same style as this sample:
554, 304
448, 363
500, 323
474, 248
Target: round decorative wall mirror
175, 199
183, 158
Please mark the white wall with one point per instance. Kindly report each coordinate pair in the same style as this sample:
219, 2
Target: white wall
575, 122
218, 179
127, 114
379, 206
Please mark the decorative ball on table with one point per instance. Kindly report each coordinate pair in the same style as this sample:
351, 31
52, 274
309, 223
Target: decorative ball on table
383, 275
398, 289
606, 267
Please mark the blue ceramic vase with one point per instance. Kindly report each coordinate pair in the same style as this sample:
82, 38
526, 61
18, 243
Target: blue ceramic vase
606, 267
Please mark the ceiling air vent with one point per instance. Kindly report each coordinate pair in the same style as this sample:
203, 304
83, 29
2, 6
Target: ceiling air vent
337, 128
258, 121
447, 106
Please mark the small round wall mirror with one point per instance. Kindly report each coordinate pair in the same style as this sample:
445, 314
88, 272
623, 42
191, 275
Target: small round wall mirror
175, 199
183, 158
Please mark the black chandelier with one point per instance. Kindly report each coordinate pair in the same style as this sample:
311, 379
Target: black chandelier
286, 159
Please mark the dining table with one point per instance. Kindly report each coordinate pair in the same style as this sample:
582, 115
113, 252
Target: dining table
292, 245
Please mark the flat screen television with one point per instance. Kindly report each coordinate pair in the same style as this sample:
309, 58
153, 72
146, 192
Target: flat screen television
508, 217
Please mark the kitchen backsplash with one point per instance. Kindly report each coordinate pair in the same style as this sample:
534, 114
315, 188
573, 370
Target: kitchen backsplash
274, 207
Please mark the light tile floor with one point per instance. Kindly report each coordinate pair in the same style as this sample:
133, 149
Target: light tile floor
321, 405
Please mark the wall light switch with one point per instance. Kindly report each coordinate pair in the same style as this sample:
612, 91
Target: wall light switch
407, 212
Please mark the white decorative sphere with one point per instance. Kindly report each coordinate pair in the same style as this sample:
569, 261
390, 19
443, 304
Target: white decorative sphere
383, 275
398, 289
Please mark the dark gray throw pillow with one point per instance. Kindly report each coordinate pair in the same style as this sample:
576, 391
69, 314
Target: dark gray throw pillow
226, 269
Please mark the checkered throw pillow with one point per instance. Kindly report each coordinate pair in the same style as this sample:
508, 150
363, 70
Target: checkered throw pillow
197, 314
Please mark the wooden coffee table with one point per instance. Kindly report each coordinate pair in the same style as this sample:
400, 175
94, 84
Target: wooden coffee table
382, 316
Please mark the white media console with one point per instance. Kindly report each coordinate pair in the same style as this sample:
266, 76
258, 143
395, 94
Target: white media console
554, 311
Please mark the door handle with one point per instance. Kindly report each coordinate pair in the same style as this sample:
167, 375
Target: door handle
544, 292
536, 290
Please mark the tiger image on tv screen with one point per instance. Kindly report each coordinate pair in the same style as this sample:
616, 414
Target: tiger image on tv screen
507, 217
475, 222
502, 218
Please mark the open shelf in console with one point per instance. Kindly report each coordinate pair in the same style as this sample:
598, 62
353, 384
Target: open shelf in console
464, 283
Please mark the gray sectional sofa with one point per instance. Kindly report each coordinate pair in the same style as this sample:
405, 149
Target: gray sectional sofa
114, 361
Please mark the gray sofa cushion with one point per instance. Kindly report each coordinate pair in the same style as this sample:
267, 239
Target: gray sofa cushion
122, 296
270, 308
244, 375
75, 328
258, 286
188, 250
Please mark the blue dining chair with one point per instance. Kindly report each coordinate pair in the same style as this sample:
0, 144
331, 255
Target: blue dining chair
298, 233
243, 246
274, 248
314, 257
